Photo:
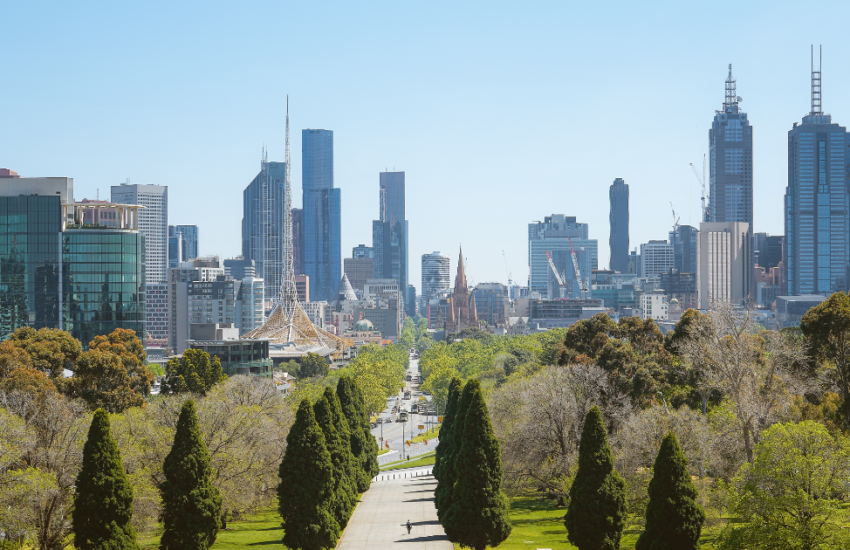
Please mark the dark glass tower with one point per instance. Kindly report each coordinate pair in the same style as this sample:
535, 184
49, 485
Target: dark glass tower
817, 247
730, 143
389, 234
618, 240
322, 256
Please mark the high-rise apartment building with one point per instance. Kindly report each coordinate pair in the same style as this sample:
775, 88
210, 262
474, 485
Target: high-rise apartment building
358, 271
618, 218
656, 257
436, 275
730, 143
262, 224
724, 267
189, 234
555, 233
389, 233
817, 244
64, 265
322, 255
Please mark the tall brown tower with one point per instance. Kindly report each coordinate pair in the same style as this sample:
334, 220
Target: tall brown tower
462, 313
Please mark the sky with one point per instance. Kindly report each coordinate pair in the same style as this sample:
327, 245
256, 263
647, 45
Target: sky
500, 113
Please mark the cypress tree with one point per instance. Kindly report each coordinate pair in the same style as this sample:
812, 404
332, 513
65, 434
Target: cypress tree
478, 516
307, 486
597, 513
448, 465
191, 504
345, 492
363, 444
673, 517
443, 446
103, 506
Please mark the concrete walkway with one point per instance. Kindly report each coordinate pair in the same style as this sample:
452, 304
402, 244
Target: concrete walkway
379, 521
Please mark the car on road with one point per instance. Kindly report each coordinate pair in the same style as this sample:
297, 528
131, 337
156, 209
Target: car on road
373, 425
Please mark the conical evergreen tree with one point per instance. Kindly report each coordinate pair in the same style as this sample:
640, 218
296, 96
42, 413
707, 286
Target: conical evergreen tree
363, 444
103, 506
345, 490
448, 464
191, 504
478, 516
445, 439
307, 486
673, 517
597, 513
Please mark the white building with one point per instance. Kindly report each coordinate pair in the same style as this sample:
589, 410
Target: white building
724, 269
436, 275
653, 305
656, 257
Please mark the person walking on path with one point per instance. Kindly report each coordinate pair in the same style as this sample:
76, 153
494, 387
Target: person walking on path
408, 527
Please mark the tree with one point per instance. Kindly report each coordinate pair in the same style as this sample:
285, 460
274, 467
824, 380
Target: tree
328, 416
363, 444
478, 515
11, 358
673, 517
101, 379
790, 495
127, 346
444, 451
51, 350
443, 494
306, 486
314, 365
29, 381
597, 513
826, 328
191, 505
194, 372
587, 337
103, 506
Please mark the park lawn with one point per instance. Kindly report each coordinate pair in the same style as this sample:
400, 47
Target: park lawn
424, 460
430, 434
257, 529
382, 451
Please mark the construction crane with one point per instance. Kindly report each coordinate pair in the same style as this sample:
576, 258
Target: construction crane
562, 288
704, 199
675, 219
582, 285
508, 271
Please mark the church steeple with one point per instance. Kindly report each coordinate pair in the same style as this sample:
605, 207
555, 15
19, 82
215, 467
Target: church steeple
460, 278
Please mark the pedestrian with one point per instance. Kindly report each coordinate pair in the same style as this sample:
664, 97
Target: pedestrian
408, 527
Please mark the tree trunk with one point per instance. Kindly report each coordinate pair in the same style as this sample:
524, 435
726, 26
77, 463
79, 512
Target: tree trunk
748, 443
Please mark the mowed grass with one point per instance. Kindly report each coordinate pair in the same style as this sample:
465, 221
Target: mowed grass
425, 460
260, 529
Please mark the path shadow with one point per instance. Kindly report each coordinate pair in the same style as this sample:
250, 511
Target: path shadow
432, 522
420, 491
420, 500
431, 538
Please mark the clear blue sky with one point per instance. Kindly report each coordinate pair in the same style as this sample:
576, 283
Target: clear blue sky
500, 112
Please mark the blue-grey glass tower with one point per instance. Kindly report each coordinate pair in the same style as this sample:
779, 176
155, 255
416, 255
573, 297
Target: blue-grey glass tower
190, 240
618, 240
817, 247
389, 234
730, 143
262, 225
322, 234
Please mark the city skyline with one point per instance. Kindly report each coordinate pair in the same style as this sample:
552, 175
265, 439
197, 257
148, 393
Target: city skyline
534, 126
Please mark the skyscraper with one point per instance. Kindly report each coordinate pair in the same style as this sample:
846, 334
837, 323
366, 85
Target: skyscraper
190, 240
389, 233
555, 233
322, 256
262, 224
298, 240
618, 240
684, 241
436, 275
730, 143
817, 246
153, 224
724, 266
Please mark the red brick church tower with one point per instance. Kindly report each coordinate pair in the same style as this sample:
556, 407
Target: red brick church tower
462, 311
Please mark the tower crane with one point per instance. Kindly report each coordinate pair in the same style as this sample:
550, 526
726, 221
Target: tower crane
582, 285
562, 288
701, 180
508, 271
675, 219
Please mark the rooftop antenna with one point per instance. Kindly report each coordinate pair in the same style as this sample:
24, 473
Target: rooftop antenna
816, 89
731, 95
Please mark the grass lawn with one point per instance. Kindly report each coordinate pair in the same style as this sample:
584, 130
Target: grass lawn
424, 460
430, 434
260, 529
382, 451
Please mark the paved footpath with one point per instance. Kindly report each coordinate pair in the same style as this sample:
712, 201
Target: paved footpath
379, 520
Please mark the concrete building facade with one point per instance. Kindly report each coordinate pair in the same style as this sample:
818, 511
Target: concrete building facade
724, 271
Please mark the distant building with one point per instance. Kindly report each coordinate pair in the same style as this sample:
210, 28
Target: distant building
767, 250
390, 232
298, 240
239, 268
302, 286
237, 356
618, 218
436, 278
656, 257
684, 241
462, 312
554, 234
190, 240
681, 287
790, 309
262, 224
653, 305
562, 313
492, 304
724, 271
175, 249
358, 270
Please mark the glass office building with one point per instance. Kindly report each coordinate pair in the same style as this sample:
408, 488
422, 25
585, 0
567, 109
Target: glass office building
262, 225
389, 234
322, 232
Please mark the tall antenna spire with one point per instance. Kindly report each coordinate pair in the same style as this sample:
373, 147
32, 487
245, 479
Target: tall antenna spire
731, 94
817, 108
288, 289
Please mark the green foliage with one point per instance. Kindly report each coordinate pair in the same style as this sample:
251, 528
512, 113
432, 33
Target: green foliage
790, 496
127, 346
194, 372
445, 451
379, 373
101, 379
597, 512
314, 365
155, 369
444, 493
103, 506
307, 486
587, 337
363, 444
673, 517
408, 334
478, 515
191, 505
689, 320
51, 350
335, 428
